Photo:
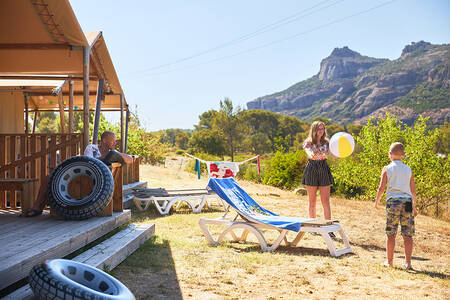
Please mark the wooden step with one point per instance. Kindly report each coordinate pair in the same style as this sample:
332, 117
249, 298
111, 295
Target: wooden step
44, 237
106, 255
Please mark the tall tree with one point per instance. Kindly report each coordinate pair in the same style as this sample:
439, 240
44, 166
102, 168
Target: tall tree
262, 122
228, 121
207, 120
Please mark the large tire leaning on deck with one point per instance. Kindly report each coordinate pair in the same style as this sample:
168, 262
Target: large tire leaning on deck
66, 279
90, 205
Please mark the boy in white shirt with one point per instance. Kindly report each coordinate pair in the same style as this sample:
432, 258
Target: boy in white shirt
400, 203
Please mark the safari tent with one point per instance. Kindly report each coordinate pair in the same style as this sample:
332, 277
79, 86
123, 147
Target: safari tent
48, 64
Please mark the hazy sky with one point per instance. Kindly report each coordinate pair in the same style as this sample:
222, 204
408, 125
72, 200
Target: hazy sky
177, 59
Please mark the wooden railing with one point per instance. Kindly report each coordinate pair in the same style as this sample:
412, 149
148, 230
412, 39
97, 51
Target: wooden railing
131, 171
33, 156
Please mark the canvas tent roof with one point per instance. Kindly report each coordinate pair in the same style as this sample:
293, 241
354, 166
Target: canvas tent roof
43, 37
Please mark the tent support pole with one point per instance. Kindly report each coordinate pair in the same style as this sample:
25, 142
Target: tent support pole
122, 137
86, 60
98, 107
61, 113
71, 106
126, 129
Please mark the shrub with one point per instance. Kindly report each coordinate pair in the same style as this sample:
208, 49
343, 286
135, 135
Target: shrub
146, 146
285, 170
359, 175
249, 171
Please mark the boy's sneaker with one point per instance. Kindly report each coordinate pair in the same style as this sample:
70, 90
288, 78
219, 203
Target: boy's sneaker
385, 264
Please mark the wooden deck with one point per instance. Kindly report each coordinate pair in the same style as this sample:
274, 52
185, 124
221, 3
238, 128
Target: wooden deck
25, 242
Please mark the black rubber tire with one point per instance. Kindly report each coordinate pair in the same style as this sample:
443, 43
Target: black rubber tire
66, 279
91, 205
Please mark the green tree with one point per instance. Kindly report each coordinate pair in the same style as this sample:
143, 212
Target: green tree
354, 129
175, 138
229, 121
431, 172
207, 120
207, 141
288, 128
262, 122
144, 144
443, 143
324, 120
257, 143
359, 175
182, 140
46, 123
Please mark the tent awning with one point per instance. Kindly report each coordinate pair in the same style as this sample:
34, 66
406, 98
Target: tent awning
43, 37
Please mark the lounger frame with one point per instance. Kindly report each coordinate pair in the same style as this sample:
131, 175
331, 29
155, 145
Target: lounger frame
255, 228
196, 201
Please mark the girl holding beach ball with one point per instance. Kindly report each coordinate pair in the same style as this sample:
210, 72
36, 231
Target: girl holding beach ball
317, 174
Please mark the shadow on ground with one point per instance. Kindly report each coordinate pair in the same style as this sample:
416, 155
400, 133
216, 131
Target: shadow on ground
298, 250
150, 271
152, 213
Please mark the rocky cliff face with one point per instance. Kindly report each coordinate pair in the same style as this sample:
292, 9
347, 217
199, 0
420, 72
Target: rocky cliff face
345, 63
351, 88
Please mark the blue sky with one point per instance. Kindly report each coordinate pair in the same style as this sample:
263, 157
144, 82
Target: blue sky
143, 35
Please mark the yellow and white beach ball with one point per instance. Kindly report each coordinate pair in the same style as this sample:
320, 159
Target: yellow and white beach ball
342, 144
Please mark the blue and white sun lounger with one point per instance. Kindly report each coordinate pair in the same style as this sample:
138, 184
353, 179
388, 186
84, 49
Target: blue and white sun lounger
253, 217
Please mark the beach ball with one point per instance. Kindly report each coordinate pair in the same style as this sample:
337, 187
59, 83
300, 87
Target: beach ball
342, 144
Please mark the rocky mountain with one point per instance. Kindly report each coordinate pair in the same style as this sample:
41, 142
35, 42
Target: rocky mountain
351, 87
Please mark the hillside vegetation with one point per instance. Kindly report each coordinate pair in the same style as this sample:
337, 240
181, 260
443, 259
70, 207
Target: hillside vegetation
351, 88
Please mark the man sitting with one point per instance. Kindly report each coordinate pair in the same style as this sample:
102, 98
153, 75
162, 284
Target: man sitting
104, 151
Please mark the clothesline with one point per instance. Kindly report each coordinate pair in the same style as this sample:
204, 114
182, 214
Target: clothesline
221, 169
239, 163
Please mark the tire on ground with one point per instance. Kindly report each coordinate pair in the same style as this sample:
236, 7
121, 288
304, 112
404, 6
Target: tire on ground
67, 279
92, 204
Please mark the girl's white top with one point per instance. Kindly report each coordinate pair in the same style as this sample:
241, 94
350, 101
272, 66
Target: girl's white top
398, 180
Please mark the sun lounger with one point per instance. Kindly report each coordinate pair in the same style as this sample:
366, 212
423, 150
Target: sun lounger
253, 219
165, 200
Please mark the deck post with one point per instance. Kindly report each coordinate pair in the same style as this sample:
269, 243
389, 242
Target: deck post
71, 106
26, 114
122, 142
86, 60
126, 130
98, 107
61, 113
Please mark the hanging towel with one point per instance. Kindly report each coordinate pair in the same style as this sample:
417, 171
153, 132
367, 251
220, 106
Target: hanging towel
223, 169
197, 168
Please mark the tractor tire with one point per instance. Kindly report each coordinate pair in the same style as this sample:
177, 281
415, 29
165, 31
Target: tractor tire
90, 205
63, 279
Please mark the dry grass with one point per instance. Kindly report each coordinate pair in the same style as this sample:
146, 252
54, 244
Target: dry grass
178, 263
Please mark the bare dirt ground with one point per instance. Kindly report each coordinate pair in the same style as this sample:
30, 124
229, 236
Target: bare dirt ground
178, 263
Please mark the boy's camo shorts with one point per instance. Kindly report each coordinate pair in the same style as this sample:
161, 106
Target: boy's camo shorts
396, 214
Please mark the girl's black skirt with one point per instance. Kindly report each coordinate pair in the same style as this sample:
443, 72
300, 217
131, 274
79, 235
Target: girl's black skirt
317, 173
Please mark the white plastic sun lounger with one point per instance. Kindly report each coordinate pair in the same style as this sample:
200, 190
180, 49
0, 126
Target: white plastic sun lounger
165, 200
253, 219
